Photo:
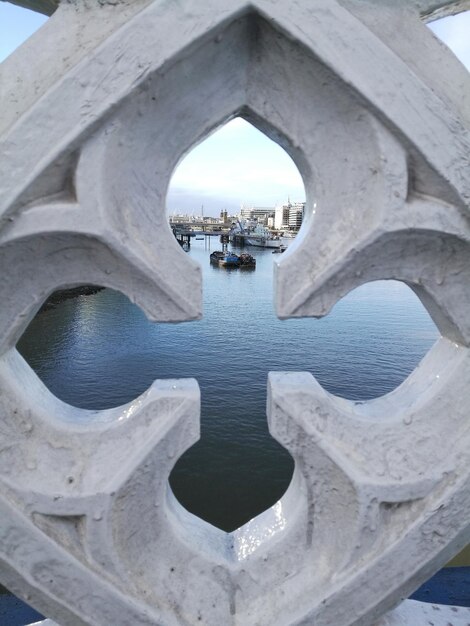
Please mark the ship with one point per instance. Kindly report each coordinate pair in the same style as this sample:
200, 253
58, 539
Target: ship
257, 235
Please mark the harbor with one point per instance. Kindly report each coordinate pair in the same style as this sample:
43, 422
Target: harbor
260, 227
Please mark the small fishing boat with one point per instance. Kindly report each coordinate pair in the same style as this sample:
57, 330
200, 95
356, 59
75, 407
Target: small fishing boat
280, 249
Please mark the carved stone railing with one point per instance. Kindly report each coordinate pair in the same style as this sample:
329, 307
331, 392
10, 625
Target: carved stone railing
98, 108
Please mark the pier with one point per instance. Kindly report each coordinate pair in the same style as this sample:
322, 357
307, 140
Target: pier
183, 237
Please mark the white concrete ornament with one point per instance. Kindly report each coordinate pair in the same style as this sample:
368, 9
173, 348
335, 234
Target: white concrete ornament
90, 533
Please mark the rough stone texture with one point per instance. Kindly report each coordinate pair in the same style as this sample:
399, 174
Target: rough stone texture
71, 33
90, 532
428, 9
435, 9
41, 6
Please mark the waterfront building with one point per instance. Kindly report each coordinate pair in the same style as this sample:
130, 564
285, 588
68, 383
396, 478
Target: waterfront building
281, 216
180, 219
296, 215
289, 216
258, 214
224, 218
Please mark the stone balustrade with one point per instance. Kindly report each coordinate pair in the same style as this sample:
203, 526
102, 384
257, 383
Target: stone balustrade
99, 106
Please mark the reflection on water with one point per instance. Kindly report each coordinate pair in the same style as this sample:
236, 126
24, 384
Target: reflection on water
100, 351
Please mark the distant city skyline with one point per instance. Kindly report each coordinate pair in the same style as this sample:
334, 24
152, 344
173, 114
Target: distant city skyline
237, 164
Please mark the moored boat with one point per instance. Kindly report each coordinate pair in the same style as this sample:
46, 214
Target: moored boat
225, 259
247, 261
262, 242
254, 235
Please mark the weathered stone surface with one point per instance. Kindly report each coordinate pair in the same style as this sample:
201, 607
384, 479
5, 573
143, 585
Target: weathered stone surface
41, 6
90, 532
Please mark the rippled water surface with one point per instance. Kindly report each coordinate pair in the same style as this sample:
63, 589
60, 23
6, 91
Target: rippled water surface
100, 351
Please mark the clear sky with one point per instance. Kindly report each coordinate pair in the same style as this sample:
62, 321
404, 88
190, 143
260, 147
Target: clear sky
237, 164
